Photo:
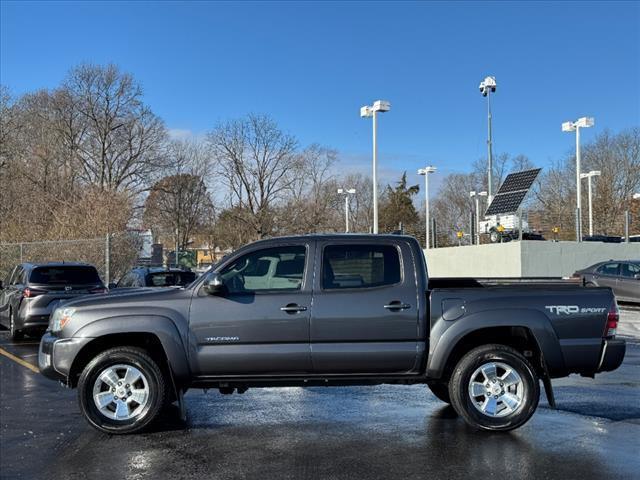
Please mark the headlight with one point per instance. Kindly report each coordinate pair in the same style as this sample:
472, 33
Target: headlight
60, 318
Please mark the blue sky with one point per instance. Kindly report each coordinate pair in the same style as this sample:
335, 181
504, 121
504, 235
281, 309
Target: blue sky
312, 65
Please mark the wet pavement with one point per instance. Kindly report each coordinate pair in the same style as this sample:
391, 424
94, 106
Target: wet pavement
338, 433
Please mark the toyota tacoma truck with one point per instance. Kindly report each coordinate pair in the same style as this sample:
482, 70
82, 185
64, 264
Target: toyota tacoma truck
324, 310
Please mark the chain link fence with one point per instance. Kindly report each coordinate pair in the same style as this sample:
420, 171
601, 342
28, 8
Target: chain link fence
112, 255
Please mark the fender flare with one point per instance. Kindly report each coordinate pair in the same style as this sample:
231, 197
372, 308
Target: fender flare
450, 333
160, 326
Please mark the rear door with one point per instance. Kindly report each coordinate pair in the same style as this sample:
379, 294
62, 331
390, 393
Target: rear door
9, 292
365, 312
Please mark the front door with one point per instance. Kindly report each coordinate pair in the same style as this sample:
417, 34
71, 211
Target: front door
260, 323
365, 308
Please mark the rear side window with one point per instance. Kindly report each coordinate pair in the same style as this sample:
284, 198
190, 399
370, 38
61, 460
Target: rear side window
609, 269
63, 275
360, 266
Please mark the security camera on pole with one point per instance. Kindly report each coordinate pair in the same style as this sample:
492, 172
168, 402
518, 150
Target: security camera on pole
488, 86
584, 122
426, 171
588, 176
371, 111
346, 192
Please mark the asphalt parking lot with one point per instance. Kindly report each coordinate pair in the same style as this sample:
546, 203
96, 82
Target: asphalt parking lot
357, 432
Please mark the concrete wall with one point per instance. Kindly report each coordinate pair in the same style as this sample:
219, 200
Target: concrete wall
524, 259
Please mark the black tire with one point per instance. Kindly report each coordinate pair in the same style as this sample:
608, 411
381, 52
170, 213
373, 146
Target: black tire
440, 390
14, 333
464, 405
158, 386
494, 236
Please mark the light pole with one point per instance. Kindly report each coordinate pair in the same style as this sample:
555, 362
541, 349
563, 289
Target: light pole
477, 195
488, 86
426, 171
346, 192
371, 111
592, 173
583, 122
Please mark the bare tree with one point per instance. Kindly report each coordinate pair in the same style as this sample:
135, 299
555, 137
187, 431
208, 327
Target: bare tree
119, 144
254, 158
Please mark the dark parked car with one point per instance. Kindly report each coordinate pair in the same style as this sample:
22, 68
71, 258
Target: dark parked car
32, 291
325, 310
622, 276
155, 277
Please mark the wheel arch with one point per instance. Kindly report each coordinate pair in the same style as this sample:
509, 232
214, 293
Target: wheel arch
531, 334
158, 335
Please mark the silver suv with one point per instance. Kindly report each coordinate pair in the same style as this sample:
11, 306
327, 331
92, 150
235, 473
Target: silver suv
32, 291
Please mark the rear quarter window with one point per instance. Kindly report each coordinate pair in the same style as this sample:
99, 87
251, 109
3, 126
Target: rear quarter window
63, 275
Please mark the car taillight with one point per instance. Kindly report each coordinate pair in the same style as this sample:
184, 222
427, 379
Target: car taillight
99, 290
32, 292
612, 320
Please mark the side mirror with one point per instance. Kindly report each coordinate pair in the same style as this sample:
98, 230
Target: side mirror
214, 285
111, 286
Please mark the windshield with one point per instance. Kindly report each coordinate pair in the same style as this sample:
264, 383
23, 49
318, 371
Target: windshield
169, 279
65, 275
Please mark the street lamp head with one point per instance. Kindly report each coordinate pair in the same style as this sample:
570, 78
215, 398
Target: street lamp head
595, 173
482, 194
346, 191
366, 111
472, 193
351, 190
585, 122
381, 106
488, 85
340, 190
568, 127
426, 170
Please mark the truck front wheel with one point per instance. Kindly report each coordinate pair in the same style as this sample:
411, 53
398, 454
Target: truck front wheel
494, 387
122, 390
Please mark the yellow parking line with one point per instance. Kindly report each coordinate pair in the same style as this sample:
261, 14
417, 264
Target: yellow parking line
19, 361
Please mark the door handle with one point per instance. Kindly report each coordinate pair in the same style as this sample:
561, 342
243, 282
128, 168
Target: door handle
293, 308
396, 305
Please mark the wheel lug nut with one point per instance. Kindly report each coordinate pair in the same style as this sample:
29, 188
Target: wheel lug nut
127, 385
501, 384
487, 385
113, 389
496, 396
119, 384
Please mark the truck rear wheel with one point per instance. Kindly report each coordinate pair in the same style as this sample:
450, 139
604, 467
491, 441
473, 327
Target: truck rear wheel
440, 390
494, 387
122, 390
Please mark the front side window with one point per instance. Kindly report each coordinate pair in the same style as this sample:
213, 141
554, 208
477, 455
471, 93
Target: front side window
609, 269
360, 266
278, 268
630, 270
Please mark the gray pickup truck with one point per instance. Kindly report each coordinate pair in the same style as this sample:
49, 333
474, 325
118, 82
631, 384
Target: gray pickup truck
325, 310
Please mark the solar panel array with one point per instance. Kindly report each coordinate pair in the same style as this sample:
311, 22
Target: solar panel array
519, 181
512, 192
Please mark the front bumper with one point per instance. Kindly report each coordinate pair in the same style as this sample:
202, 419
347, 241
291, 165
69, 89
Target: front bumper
612, 354
56, 355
